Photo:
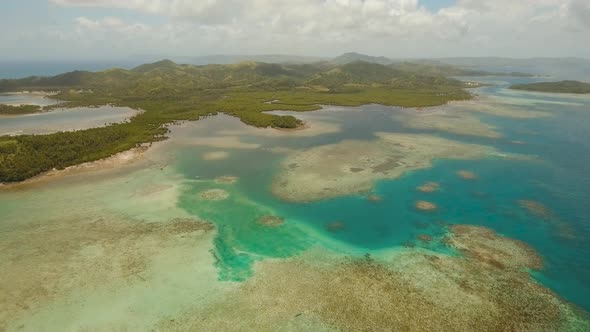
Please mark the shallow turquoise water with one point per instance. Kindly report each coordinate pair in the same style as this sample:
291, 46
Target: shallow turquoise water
559, 178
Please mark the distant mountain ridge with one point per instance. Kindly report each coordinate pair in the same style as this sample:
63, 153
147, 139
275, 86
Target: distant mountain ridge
227, 59
324, 73
354, 57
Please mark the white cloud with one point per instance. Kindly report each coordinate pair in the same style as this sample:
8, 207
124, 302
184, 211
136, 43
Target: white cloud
580, 10
111, 24
390, 27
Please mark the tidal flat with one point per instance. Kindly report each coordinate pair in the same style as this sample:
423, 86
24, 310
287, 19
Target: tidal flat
200, 232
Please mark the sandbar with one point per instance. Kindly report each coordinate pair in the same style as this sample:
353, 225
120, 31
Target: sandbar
215, 155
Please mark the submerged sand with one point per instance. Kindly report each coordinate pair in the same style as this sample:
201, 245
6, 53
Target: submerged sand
497, 107
352, 166
537, 209
216, 155
458, 122
64, 272
463, 117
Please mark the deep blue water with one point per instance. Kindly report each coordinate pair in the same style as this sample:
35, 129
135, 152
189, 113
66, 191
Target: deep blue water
20, 69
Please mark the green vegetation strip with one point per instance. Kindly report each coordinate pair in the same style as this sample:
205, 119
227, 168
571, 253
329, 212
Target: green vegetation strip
19, 109
558, 87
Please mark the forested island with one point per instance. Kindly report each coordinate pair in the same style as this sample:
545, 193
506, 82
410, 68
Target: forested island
168, 92
557, 87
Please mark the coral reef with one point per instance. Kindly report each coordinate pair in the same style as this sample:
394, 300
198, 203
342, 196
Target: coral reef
425, 206
351, 166
335, 226
412, 289
424, 237
563, 229
485, 246
226, 179
429, 187
467, 175
214, 194
536, 208
271, 221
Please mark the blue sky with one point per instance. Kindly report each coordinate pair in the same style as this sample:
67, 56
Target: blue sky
437, 4
115, 29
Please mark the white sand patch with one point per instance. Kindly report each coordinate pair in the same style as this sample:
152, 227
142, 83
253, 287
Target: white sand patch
226, 179
222, 142
215, 155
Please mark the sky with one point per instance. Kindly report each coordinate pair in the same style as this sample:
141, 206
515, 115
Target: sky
120, 29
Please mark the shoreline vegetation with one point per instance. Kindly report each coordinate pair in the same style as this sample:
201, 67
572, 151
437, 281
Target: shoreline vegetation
555, 87
9, 110
169, 92
121, 159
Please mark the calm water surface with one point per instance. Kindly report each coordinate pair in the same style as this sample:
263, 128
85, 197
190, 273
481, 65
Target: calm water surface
27, 99
64, 120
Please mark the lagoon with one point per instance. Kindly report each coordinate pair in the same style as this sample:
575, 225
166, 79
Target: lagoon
64, 119
126, 240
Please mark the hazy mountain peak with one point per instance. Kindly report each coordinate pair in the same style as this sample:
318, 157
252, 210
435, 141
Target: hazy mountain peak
354, 57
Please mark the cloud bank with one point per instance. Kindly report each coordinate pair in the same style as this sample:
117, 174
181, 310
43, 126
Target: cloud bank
396, 28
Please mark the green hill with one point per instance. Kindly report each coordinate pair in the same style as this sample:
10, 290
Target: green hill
354, 57
162, 64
